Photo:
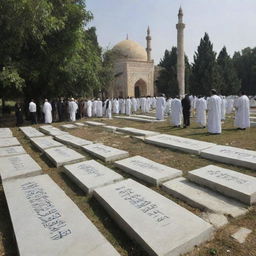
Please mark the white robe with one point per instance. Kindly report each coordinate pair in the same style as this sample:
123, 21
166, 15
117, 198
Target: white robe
128, 107
143, 104
72, 108
47, 110
134, 105
223, 108
148, 104
94, 108
115, 106
99, 109
201, 106
230, 106
160, 107
214, 114
176, 112
108, 107
242, 117
89, 108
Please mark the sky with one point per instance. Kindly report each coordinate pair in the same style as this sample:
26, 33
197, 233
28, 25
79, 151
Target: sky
230, 23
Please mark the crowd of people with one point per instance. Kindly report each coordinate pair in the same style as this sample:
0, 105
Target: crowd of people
208, 111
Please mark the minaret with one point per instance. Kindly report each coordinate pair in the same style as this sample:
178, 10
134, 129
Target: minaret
148, 49
180, 54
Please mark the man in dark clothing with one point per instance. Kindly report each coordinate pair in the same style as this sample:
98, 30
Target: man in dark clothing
185, 102
61, 110
18, 114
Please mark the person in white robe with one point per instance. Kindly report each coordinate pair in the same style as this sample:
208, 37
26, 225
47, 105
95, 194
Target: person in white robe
89, 108
214, 113
94, 107
223, 108
201, 107
143, 104
154, 102
242, 117
176, 112
72, 108
167, 110
122, 106
148, 104
115, 106
128, 107
160, 107
134, 104
47, 110
138, 104
99, 109
230, 106
108, 108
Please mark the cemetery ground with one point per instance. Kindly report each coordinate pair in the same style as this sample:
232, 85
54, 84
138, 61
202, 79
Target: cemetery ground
222, 244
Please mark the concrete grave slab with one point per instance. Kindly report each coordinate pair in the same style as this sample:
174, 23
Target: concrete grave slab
43, 143
9, 142
144, 116
253, 124
139, 119
31, 132
68, 126
80, 124
147, 170
47, 222
179, 143
203, 198
110, 128
73, 140
18, 166
231, 155
159, 225
241, 235
94, 123
51, 130
137, 132
230, 183
105, 153
12, 151
89, 175
63, 155
5, 132
217, 220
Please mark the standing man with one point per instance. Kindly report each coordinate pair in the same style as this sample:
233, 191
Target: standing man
128, 106
160, 107
242, 117
32, 111
201, 107
89, 108
72, 108
61, 109
108, 107
185, 102
214, 113
176, 110
47, 110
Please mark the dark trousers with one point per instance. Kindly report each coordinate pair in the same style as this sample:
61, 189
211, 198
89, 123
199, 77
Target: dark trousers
186, 118
33, 117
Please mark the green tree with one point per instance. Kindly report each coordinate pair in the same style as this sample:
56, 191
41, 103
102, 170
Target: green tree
229, 82
167, 81
204, 72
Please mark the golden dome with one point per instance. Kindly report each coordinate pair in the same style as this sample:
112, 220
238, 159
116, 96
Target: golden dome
129, 49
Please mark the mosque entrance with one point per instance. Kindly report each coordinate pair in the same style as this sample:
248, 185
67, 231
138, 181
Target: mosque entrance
140, 89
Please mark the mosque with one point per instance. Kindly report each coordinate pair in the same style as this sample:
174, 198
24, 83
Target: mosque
134, 70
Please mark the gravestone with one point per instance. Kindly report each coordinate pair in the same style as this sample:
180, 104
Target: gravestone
203, 198
144, 116
31, 132
179, 143
43, 143
47, 222
12, 151
80, 124
230, 183
89, 175
51, 130
231, 155
159, 225
73, 140
18, 166
147, 170
137, 132
63, 155
139, 119
8, 142
94, 123
5, 132
68, 126
105, 153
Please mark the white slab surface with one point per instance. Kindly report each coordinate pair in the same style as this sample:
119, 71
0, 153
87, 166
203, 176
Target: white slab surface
137, 132
12, 151
9, 142
73, 140
68, 126
43, 143
31, 132
63, 155
203, 198
158, 224
5, 132
46, 221
179, 143
89, 175
233, 184
110, 128
51, 130
80, 124
241, 234
105, 153
139, 119
18, 166
231, 155
93, 123
147, 170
